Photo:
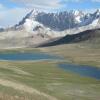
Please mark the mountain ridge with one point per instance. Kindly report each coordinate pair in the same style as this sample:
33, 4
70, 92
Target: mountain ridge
35, 28
61, 21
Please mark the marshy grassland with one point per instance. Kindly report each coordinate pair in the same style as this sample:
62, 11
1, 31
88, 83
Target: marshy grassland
78, 53
44, 80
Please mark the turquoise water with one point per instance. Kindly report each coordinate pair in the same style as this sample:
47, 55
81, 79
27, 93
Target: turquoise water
26, 56
87, 71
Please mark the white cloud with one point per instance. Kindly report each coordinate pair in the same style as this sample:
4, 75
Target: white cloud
2, 7
74, 0
39, 3
11, 16
96, 1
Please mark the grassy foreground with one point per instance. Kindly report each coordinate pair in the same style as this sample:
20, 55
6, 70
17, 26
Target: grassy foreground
44, 81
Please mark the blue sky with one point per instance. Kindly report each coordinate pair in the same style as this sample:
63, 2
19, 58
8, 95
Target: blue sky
12, 11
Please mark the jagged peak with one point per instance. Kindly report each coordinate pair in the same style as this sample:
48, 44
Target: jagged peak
97, 12
60, 20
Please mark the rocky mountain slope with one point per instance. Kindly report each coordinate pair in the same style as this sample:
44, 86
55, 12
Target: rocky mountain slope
39, 27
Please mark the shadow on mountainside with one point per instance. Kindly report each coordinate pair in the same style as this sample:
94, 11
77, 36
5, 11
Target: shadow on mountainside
75, 38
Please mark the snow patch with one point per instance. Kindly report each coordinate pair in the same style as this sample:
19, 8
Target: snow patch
95, 22
30, 24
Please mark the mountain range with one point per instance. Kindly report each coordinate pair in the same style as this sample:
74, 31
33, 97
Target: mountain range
40, 27
59, 21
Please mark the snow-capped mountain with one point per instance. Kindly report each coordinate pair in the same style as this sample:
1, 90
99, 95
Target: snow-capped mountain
39, 27
58, 21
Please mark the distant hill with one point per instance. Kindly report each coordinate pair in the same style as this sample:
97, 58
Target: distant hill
88, 35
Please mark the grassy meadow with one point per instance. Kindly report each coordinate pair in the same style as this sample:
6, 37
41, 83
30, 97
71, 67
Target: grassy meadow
44, 80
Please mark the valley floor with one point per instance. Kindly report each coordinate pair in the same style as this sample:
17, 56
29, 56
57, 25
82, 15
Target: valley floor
44, 80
